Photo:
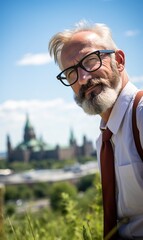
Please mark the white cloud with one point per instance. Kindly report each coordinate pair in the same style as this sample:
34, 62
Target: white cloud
34, 59
51, 119
137, 79
131, 33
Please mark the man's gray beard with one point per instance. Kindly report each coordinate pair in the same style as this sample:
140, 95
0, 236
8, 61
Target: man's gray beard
98, 104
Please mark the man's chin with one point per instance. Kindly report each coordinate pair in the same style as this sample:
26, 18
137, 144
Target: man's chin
90, 109
98, 104
87, 105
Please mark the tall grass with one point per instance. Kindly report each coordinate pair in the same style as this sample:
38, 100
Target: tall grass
71, 222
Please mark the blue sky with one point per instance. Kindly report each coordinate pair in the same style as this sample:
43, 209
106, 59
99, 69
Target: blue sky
27, 73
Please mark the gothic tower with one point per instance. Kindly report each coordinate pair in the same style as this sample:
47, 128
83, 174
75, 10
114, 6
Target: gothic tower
72, 140
28, 131
9, 148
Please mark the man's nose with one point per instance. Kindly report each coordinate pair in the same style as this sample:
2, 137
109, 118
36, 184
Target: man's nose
83, 76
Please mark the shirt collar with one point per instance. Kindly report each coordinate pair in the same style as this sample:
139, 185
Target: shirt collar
120, 108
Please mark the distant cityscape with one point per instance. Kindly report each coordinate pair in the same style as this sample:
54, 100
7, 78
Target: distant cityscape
32, 148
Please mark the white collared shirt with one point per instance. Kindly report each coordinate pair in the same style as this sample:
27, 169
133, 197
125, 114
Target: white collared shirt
128, 165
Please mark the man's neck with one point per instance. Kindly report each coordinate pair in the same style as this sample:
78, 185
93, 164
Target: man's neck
105, 116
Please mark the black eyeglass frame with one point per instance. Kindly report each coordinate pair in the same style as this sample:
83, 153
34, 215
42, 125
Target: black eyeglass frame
79, 64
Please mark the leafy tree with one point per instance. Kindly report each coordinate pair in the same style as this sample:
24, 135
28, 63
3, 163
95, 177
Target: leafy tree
85, 182
41, 190
73, 220
18, 166
10, 209
11, 193
25, 192
3, 164
56, 194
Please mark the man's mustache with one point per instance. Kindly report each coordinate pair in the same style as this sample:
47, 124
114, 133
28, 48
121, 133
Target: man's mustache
90, 83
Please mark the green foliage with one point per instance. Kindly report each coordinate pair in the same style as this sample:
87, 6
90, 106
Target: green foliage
50, 225
27, 192
18, 192
85, 182
86, 233
83, 160
73, 220
11, 193
10, 209
19, 166
56, 194
43, 164
41, 190
3, 164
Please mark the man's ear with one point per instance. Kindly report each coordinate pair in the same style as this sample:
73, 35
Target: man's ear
120, 59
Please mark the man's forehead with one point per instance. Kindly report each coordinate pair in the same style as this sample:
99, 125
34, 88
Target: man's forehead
78, 42
81, 39
84, 35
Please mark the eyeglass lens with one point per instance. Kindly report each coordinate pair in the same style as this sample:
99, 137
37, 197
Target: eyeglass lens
90, 63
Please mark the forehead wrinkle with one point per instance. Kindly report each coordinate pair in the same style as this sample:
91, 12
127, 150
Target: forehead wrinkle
80, 40
74, 54
77, 47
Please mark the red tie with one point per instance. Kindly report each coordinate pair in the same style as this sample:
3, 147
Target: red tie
108, 186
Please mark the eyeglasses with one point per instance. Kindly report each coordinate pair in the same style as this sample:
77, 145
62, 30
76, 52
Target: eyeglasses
89, 63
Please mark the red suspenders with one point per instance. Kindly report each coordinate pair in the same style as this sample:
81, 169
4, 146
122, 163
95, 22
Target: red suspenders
134, 124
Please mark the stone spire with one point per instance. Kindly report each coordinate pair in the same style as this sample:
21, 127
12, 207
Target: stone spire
72, 138
28, 131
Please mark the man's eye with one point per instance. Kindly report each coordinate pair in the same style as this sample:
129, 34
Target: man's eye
90, 63
70, 74
91, 59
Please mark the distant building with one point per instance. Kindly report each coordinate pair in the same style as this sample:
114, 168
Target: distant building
32, 148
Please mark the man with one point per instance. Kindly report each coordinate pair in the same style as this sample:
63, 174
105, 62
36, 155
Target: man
94, 67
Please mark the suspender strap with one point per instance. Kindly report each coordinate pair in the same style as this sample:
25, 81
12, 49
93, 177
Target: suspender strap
134, 124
